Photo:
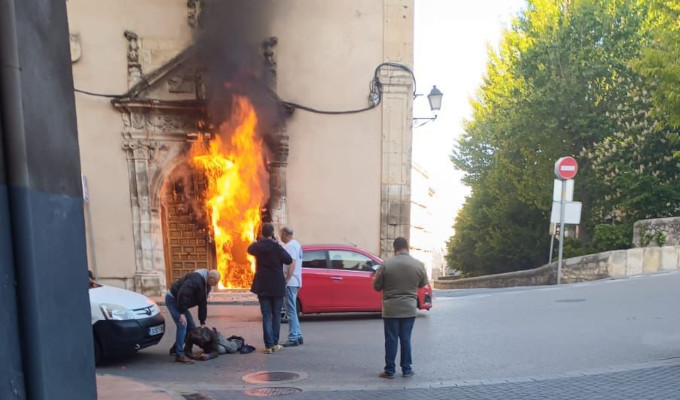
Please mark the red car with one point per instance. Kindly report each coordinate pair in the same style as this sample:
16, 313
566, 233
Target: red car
339, 278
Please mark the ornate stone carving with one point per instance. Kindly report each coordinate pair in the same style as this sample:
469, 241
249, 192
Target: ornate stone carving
76, 50
170, 123
134, 66
182, 83
193, 13
137, 119
200, 84
140, 149
126, 119
270, 60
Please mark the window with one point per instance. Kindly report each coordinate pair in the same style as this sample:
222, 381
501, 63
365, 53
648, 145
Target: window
343, 259
314, 259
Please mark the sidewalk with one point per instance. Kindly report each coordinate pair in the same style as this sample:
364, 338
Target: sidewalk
229, 296
655, 381
111, 387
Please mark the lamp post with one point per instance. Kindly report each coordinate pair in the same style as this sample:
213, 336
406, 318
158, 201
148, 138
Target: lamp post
435, 100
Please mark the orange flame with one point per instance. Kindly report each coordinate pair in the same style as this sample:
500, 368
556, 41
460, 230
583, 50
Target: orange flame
235, 191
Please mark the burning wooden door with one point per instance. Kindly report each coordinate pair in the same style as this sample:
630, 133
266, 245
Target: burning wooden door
186, 237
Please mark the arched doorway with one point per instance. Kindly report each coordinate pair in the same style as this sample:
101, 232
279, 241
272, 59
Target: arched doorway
186, 237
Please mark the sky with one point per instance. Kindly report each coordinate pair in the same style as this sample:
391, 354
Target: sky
451, 39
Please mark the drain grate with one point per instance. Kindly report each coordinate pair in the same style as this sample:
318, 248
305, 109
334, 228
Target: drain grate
570, 300
272, 391
196, 396
271, 376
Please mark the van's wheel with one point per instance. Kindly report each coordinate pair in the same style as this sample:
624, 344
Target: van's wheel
97, 351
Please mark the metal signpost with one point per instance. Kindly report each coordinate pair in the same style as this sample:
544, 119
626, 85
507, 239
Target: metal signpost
565, 169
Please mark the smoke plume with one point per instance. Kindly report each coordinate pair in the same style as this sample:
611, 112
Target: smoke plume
230, 45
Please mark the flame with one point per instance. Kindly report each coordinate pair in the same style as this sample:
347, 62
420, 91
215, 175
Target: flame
235, 191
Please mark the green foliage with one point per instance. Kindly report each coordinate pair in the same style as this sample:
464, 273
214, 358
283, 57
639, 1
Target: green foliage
573, 248
647, 238
660, 60
636, 164
555, 87
612, 237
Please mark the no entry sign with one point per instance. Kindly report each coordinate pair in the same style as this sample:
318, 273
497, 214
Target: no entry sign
566, 168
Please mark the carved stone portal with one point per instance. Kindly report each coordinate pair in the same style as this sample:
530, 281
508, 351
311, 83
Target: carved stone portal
157, 135
156, 138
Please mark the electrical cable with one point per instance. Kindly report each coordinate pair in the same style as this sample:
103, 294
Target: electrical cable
374, 95
111, 96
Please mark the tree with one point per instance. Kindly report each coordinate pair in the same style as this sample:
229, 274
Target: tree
551, 90
638, 168
660, 60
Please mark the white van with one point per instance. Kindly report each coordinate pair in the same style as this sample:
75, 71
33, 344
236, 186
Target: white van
123, 321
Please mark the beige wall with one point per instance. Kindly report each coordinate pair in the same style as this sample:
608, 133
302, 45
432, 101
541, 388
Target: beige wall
326, 54
102, 68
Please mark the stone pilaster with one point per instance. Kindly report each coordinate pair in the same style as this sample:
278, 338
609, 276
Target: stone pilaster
139, 154
277, 166
397, 110
277, 182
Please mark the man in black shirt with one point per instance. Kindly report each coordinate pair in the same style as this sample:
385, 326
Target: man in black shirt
269, 284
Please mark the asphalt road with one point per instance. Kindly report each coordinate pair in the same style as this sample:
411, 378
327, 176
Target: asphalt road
470, 336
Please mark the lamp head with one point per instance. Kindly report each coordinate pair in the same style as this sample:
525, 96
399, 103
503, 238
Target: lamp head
435, 98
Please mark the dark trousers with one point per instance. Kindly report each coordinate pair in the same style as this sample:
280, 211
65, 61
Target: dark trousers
180, 336
398, 331
271, 319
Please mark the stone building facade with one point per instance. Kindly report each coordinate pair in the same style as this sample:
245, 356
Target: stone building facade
333, 178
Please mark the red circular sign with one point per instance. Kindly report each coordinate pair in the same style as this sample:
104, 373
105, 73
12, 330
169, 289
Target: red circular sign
566, 168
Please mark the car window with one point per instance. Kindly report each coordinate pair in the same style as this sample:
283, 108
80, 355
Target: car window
350, 260
314, 259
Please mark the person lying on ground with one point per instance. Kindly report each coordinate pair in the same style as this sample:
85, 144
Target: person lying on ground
206, 339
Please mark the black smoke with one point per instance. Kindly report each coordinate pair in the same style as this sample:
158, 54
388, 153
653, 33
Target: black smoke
230, 46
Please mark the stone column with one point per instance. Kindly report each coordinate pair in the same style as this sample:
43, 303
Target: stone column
397, 112
277, 166
277, 181
139, 153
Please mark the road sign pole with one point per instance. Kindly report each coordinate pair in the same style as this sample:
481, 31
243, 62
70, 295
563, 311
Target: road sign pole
562, 207
552, 242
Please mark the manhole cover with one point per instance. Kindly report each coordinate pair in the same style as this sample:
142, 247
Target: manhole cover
273, 376
196, 396
272, 391
569, 300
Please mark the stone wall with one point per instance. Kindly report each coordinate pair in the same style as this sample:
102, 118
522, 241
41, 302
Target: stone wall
578, 269
647, 232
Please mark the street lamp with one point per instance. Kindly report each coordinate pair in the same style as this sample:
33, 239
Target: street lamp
435, 100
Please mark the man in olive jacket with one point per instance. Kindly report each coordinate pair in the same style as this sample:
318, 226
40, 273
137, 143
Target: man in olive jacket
399, 278
269, 284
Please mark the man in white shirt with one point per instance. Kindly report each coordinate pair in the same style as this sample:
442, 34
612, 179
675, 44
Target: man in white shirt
293, 284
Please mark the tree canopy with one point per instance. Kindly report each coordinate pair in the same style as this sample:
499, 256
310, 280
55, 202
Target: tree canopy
563, 82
